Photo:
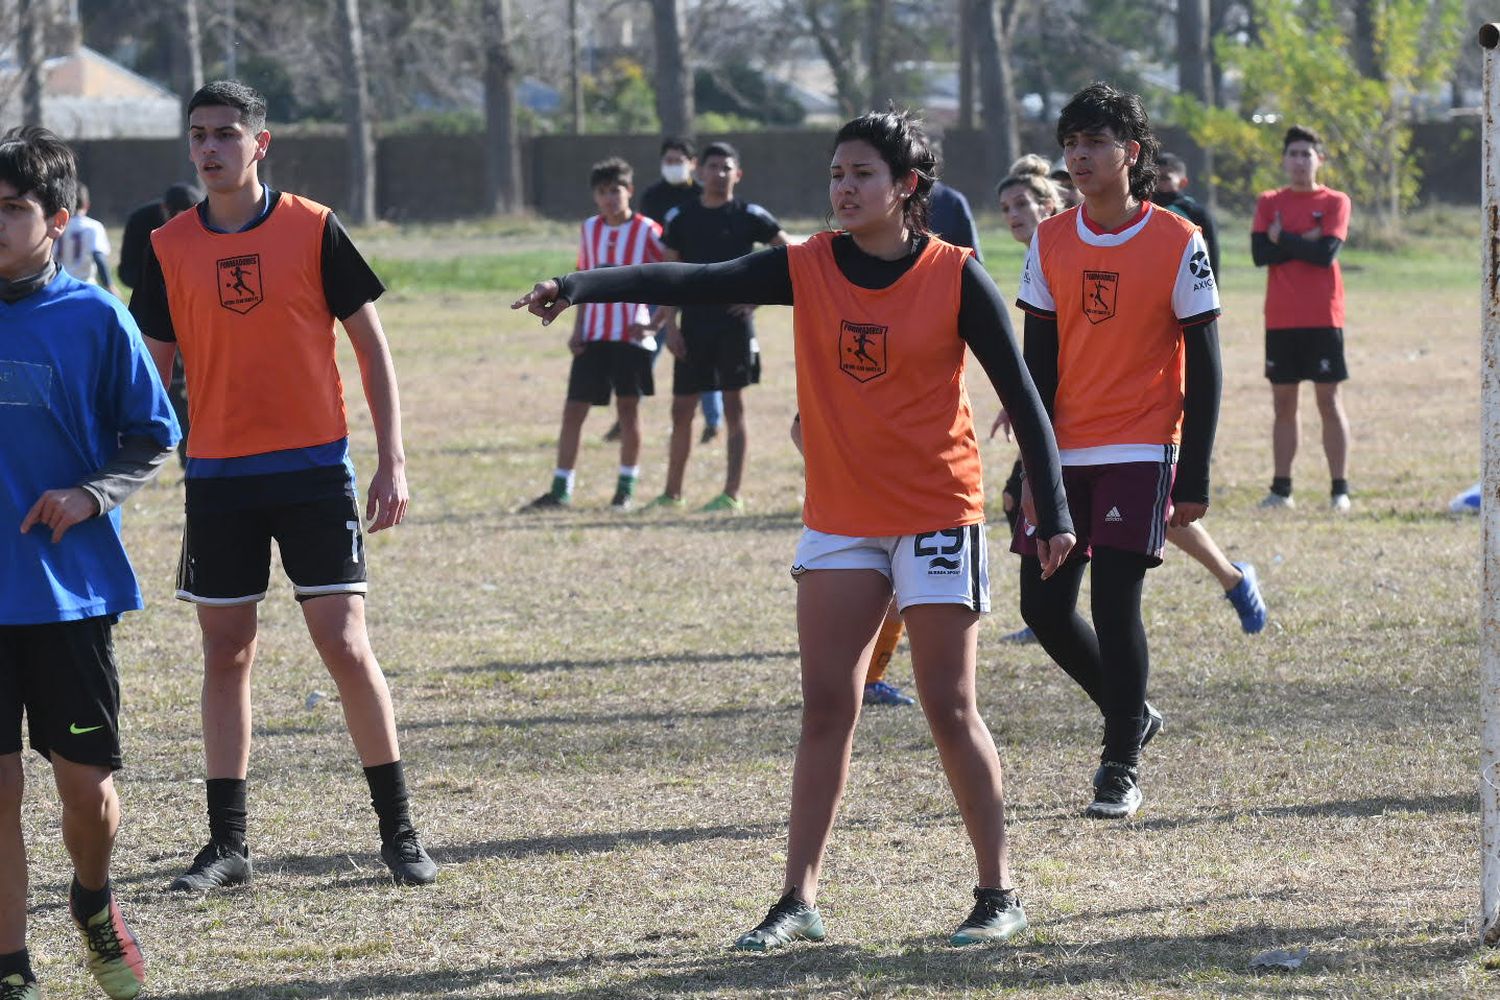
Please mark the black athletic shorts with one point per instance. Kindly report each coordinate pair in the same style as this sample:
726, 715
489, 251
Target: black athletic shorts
63, 677
1305, 354
718, 358
610, 366
226, 542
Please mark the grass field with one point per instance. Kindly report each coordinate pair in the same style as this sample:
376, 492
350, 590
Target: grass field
598, 712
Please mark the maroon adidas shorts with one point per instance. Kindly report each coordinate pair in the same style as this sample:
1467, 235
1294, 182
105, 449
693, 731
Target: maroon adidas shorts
1124, 506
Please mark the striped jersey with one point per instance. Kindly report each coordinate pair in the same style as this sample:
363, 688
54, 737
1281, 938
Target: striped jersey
637, 240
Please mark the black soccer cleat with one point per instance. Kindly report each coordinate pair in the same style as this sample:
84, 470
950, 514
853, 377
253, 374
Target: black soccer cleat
1117, 795
217, 866
1154, 720
408, 860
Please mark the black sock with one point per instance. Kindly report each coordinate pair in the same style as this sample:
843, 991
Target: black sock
17, 963
1122, 739
87, 902
1282, 486
226, 812
388, 796
1340, 486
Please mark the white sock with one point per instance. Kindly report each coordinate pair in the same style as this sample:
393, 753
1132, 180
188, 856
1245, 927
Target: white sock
566, 475
630, 471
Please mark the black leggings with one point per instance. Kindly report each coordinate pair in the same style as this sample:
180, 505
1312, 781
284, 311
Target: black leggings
1109, 658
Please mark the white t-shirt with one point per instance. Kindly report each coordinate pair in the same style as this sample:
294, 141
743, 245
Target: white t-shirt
83, 238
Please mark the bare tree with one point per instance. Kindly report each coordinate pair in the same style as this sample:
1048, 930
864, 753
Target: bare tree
1194, 78
837, 51
877, 53
31, 53
674, 82
357, 116
993, 23
965, 45
575, 71
191, 49
502, 151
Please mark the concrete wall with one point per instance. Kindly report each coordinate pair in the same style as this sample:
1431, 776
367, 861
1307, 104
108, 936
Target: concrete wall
436, 177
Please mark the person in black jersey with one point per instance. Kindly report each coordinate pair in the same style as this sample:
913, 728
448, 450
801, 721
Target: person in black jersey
134, 246
679, 163
1171, 194
677, 185
891, 455
714, 345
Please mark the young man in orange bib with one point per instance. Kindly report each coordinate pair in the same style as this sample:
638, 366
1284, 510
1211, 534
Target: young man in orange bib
1296, 237
883, 313
1122, 341
248, 286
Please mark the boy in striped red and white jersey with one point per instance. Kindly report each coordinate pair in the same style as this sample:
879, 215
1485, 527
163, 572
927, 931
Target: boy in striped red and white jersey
613, 343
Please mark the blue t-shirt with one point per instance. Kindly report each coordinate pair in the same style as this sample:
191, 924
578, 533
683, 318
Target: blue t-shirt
74, 378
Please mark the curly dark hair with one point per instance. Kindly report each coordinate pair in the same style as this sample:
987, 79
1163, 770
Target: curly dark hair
897, 135
1098, 107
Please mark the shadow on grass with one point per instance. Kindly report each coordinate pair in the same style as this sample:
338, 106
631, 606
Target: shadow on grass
780, 521
600, 842
923, 963
1379, 806
605, 663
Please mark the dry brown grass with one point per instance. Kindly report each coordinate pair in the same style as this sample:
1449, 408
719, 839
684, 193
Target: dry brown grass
599, 712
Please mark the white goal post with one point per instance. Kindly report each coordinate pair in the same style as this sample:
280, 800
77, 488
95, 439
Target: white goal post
1489, 639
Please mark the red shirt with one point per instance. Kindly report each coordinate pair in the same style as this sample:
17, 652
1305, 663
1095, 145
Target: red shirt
1300, 294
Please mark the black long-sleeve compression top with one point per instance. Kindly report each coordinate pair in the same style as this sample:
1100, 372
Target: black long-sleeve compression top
1320, 252
764, 278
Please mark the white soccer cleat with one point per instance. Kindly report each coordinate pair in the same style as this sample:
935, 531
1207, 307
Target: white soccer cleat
1275, 501
1339, 503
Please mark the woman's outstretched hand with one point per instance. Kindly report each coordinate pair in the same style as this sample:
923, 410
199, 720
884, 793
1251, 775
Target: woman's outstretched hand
543, 301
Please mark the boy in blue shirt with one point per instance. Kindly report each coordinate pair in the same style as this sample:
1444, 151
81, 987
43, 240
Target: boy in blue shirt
83, 424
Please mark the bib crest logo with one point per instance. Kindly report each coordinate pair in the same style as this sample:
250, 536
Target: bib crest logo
1099, 290
862, 350
239, 283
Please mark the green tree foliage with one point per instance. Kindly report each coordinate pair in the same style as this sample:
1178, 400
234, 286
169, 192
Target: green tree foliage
620, 98
1299, 66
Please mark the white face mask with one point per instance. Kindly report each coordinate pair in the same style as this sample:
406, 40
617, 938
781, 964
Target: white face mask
676, 173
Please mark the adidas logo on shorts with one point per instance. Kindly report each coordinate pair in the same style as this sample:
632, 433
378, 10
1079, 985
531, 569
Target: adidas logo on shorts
1113, 517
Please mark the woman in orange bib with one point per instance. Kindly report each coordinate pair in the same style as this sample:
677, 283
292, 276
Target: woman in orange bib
882, 314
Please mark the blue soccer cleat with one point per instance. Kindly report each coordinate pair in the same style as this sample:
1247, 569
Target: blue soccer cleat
1245, 596
881, 693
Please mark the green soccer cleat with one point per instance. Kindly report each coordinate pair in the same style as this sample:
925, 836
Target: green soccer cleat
789, 920
997, 916
16, 987
666, 502
723, 502
114, 956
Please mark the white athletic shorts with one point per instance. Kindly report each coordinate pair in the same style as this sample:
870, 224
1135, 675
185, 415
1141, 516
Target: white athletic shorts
936, 567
